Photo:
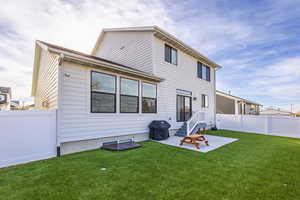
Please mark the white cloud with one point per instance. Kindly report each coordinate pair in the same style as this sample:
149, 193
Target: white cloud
278, 82
72, 24
76, 24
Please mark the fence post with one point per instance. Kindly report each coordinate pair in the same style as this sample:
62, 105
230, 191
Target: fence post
218, 121
267, 125
241, 122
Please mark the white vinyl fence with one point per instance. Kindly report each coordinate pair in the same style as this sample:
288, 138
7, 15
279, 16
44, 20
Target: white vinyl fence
270, 125
26, 136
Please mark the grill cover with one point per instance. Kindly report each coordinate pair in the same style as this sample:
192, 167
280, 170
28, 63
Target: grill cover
159, 130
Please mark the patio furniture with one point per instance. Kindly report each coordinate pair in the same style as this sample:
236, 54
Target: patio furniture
195, 139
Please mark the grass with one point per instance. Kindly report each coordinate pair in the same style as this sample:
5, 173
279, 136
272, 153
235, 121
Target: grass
254, 167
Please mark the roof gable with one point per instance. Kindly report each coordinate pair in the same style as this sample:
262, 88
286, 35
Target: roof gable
163, 35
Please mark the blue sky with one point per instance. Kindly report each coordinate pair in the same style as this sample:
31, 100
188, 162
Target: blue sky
256, 42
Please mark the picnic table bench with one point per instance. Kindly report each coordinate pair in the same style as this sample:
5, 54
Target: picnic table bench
195, 139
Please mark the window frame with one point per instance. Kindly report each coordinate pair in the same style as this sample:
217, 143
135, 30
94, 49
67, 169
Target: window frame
208, 73
200, 68
177, 107
170, 53
91, 91
155, 112
204, 103
138, 97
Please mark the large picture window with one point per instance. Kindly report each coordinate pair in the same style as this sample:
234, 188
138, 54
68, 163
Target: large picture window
170, 54
149, 98
129, 96
203, 71
103, 93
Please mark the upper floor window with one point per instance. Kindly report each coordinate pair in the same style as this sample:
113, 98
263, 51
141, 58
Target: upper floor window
149, 98
103, 93
129, 95
203, 71
204, 100
170, 54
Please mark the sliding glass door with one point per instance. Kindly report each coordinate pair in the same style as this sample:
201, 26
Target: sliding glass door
184, 108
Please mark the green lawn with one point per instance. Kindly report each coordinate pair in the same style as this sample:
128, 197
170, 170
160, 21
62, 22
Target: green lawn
254, 167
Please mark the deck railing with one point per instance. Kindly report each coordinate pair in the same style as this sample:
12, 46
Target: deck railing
196, 118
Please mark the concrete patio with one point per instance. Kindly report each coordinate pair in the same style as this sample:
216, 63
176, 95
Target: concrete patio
214, 143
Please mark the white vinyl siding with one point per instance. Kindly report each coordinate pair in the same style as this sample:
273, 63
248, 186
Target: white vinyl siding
183, 77
47, 83
77, 123
132, 49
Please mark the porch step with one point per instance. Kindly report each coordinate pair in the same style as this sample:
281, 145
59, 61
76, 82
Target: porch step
183, 132
200, 125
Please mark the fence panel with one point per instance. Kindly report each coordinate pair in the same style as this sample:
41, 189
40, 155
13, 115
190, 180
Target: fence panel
27, 136
230, 122
285, 126
272, 125
256, 124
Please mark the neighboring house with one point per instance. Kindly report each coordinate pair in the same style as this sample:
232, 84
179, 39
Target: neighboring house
14, 105
5, 98
271, 111
17, 105
229, 104
133, 76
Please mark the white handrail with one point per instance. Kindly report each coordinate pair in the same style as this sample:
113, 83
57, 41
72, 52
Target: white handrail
196, 118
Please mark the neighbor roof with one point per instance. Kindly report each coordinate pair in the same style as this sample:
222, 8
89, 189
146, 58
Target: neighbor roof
236, 97
163, 35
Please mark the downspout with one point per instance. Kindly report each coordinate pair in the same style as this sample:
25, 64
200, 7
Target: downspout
58, 115
215, 99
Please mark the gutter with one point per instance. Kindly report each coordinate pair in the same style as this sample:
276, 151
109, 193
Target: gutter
60, 62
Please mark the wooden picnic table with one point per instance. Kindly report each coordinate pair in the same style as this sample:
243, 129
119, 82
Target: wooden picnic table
193, 139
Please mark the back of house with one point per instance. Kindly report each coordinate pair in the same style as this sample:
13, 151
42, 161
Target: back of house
132, 77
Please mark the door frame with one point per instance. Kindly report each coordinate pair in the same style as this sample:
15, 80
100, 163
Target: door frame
191, 106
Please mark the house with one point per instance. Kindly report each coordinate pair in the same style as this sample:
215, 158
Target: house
15, 105
229, 104
272, 111
5, 98
133, 76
